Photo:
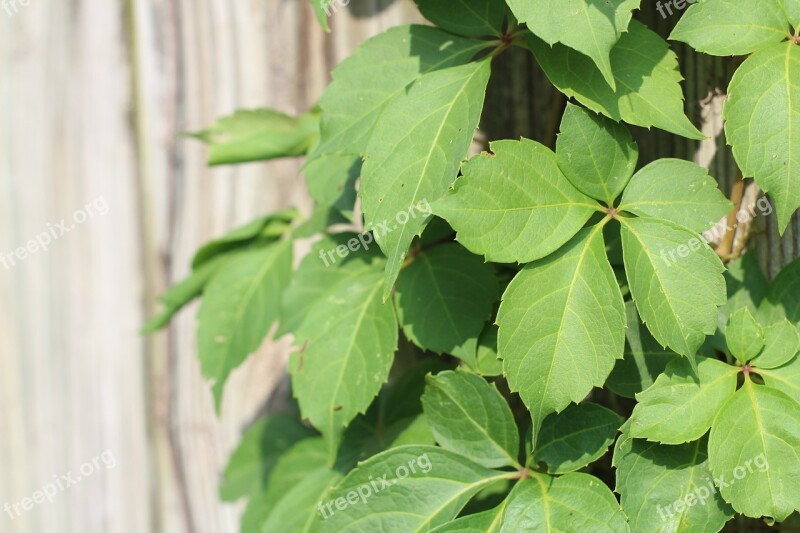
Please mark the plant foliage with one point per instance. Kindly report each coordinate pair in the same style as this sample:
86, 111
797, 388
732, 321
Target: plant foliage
522, 336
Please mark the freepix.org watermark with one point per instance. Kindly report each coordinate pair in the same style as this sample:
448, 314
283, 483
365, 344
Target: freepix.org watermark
331, 6
363, 241
49, 491
716, 233
53, 232
702, 493
364, 491
679, 5
11, 7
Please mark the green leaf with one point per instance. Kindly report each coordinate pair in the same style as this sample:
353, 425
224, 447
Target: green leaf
483, 522
562, 326
331, 180
747, 286
180, 294
574, 502
258, 135
744, 336
678, 301
761, 113
514, 204
575, 438
323, 272
597, 155
646, 72
268, 228
261, 446
307, 458
783, 296
444, 297
785, 378
676, 190
415, 154
782, 342
349, 338
668, 488
731, 27
240, 304
378, 72
682, 404
408, 489
644, 358
754, 448
322, 16
298, 510
471, 18
592, 28
792, 10
470, 417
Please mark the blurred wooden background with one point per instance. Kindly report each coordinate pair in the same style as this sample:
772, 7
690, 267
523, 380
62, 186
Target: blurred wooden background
93, 94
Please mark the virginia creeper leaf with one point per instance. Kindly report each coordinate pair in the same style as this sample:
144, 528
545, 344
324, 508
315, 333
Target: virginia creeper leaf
573, 439
331, 181
652, 478
783, 296
755, 448
444, 297
682, 404
415, 153
375, 74
257, 135
240, 304
644, 358
597, 155
262, 444
785, 378
744, 335
592, 28
676, 190
349, 338
781, 344
761, 115
409, 500
646, 73
574, 502
677, 300
732, 27
471, 18
469, 416
514, 204
562, 326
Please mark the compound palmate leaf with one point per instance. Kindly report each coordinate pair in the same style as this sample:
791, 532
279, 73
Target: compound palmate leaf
514, 204
469, 416
240, 304
732, 27
754, 448
677, 297
445, 297
668, 488
588, 26
415, 153
574, 502
762, 116
562, 325
409, 489
348, 340
645, 69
